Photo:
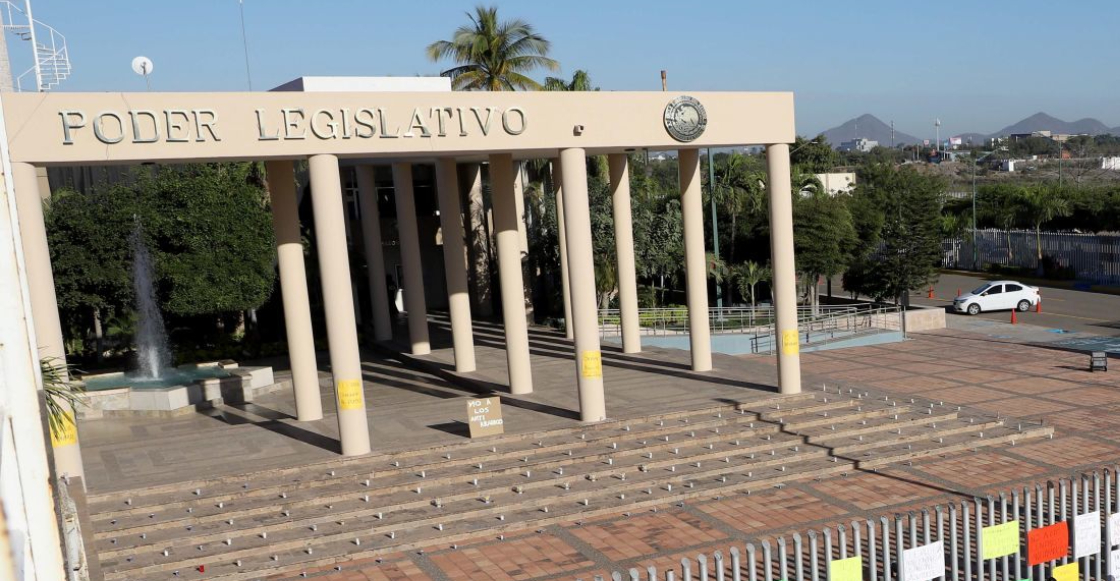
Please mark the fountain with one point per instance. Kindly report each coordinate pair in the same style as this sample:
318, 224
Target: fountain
156, 386
152, 350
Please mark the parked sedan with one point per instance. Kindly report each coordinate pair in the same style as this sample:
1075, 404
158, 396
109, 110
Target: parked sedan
1000, 295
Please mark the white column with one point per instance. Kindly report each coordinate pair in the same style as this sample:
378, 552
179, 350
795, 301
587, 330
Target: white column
27, 500
338, 304
293, 288
785, 272
509, 269
624, 248
562, 236
375, 253
414, 301
44, 304
455, 264
696, 271
585, 310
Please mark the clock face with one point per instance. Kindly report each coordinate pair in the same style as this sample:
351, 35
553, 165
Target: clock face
685, 118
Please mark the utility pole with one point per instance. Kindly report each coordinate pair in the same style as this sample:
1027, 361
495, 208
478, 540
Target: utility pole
664, 81
892, 134
1059, 163
245, 44
937, 145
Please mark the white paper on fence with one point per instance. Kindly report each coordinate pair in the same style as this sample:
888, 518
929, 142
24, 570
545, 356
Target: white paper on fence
1114, 564
1086, 534
1114, 529
924, 563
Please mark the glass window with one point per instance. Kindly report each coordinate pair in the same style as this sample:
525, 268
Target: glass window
1013, 288
980, 289
995, 290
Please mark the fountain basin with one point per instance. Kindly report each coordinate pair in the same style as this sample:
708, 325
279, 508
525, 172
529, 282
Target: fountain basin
186, 389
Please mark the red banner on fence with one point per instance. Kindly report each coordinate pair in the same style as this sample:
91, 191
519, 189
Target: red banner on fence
1047, 543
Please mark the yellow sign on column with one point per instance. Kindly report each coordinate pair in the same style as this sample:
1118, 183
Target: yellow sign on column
592, 365
350, 395
790, 343
67, 432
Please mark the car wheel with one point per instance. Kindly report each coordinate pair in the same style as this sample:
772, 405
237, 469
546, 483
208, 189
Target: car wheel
1024, 306
974, 309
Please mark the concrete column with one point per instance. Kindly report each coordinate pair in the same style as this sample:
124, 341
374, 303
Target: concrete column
375, 253
27, 500
519, 198
624, 247
562, 235
293, 286
414, 301
478, 239
338, 303
695, 263
785, 273
44, 303
509, 269
585, 309
455, 264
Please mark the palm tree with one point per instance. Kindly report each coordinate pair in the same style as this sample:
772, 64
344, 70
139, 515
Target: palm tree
1042, 204
581, 81
749, 274
493, 55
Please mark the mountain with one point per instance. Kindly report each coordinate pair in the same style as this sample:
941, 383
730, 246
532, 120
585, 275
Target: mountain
869, 127
1044, 122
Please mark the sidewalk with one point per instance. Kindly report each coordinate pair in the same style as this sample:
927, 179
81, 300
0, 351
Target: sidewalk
1025, 381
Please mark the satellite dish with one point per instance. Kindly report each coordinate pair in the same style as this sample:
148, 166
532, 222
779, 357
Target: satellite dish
142, 65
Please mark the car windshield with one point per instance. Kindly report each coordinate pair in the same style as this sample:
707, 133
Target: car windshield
981, 289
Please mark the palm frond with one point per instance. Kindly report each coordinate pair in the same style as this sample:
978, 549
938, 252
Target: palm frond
63, 394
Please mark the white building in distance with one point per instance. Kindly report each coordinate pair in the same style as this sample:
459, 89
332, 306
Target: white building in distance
859, 144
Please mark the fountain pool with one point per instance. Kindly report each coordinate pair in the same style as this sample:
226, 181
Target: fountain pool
167, 378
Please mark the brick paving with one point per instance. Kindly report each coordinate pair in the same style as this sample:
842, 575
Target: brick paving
1028, 382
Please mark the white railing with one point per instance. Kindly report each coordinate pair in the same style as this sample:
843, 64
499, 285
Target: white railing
51, 57
828, 322
1023, 533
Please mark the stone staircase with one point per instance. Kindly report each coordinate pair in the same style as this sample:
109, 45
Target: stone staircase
254, 525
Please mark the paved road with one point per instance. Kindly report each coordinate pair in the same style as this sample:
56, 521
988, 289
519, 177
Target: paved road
1062, 309
1069, 310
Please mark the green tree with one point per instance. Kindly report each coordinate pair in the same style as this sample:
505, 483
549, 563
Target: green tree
717, 268
1040, 205
211, 228
87, 234
581, 81
812, 155
911, 235
824, 239
749, 275
493, 55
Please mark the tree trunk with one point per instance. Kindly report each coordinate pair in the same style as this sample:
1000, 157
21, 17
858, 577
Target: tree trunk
99, 340
1038, 242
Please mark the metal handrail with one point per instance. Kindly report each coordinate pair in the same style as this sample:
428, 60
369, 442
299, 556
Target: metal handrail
51, 56
826, 322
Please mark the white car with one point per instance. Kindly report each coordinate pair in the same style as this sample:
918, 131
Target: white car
1000, 295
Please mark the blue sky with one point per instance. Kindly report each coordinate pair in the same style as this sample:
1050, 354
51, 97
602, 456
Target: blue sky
978, 66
